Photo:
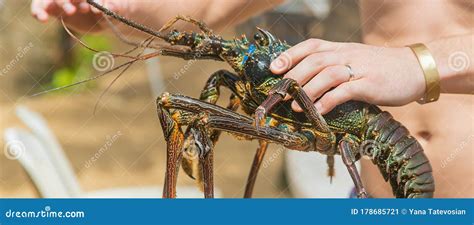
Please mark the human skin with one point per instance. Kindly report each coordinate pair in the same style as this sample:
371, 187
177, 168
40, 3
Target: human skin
445, 128
80, 16
387, 73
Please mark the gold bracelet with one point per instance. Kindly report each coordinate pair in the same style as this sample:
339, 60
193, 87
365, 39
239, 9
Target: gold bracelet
430, 71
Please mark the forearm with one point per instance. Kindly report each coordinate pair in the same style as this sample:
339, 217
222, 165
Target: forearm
449, 39
454, 57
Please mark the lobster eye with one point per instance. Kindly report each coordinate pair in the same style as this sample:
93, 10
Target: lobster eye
259, 39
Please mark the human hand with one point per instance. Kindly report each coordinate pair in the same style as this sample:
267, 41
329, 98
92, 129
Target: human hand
381, 75
76, 13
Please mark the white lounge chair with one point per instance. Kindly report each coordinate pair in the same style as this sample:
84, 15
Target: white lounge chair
44, 160
33, 157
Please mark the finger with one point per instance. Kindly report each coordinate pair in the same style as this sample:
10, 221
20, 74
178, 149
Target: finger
328, 78
312, 65
81, 5
342, 93
38, 11
67, 6
52, 8
84, 7
295, 54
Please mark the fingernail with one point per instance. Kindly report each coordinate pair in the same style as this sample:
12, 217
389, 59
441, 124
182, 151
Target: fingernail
319, 106
277, 64
69, 8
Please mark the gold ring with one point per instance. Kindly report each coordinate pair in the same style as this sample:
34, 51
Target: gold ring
351, 72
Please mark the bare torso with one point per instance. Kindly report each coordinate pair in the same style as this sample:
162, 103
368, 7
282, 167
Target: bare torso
444, 128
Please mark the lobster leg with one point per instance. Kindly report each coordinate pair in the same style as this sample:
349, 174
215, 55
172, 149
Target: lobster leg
189, 152
222, 119
330, 162
203, 27
289, 86
211, 90
218, 118
348, 158
257, 162
205, 148
208, 174
210, 94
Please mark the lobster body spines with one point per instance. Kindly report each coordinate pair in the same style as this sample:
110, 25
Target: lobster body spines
399, 157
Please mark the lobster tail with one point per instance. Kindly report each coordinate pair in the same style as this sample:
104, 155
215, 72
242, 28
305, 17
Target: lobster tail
399, 157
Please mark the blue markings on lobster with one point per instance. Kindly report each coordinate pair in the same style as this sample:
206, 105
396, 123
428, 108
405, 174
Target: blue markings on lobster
249, 52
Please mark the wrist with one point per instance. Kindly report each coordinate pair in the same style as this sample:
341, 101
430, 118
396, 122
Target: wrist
415, 73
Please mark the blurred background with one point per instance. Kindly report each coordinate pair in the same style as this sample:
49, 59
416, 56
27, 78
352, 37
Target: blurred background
121, 145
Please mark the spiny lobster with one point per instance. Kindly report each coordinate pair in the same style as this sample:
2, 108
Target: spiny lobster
352, 130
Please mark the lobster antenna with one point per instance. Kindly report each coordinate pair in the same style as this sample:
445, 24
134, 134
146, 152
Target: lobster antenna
148, 42
127, 64
110, 85
129, 22
86, 80
88, 47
